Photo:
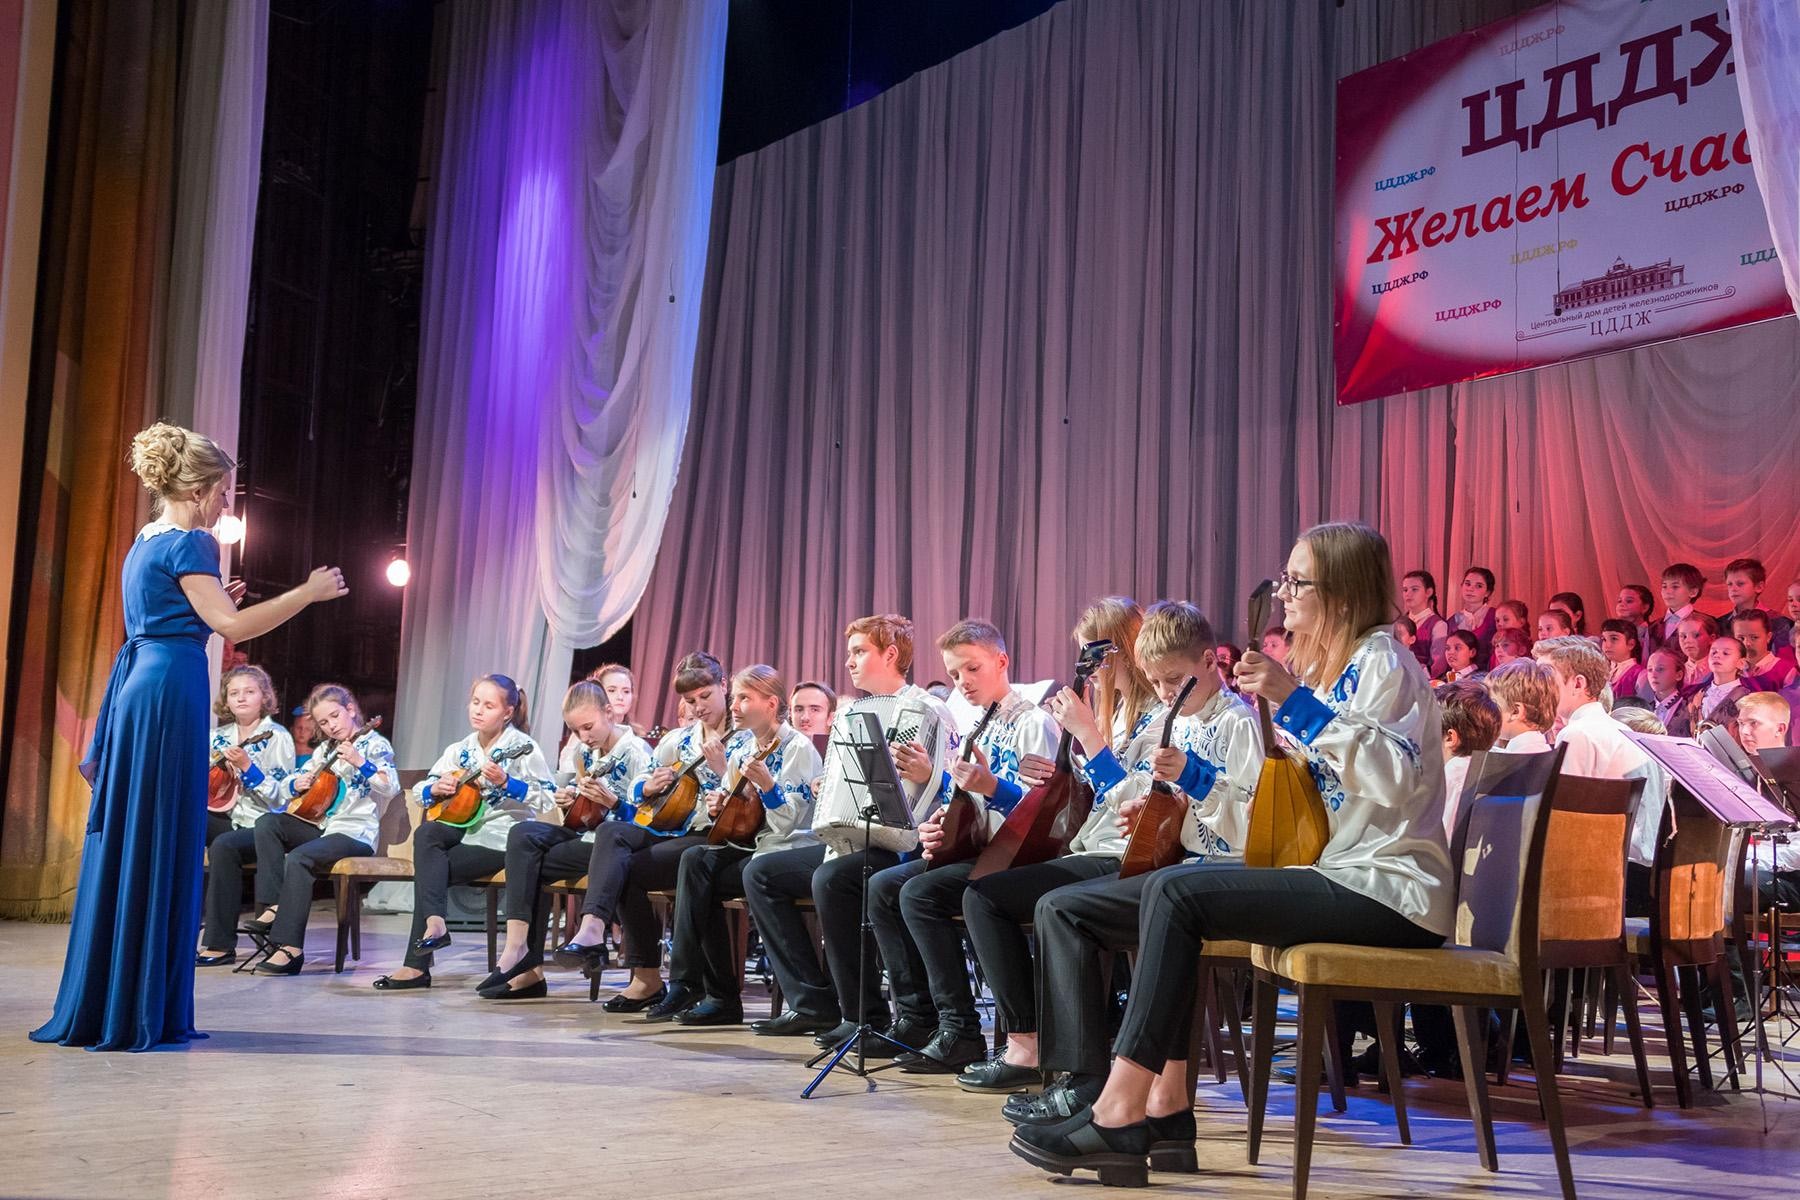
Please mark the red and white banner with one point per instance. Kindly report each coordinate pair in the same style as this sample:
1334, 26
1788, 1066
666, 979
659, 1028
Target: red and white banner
1561, 184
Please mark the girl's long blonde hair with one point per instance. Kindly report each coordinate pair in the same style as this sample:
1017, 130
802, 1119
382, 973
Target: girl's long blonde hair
1354, 575
1122, 688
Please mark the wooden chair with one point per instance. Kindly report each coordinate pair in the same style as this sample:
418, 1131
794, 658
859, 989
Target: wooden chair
1691, 884
1515, 925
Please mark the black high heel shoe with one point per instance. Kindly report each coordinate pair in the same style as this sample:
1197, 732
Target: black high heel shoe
575, 955
256, 925
290, 967
427, 945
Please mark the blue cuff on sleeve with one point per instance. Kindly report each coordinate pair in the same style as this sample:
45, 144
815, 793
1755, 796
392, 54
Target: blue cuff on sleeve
1006, 795
1197, 777
773, 798
516, 787
1304, 715
1104, 772
369, 770
253, 775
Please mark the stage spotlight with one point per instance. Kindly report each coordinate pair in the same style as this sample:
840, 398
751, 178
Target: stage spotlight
399, 572
229, 530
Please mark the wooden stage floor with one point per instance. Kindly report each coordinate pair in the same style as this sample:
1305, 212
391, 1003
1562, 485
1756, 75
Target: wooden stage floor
320, 1087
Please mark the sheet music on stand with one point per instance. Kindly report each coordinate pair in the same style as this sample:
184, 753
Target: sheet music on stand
1714, 785
870, 774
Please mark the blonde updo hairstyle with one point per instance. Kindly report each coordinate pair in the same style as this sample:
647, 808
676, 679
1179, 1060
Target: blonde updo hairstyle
176, 463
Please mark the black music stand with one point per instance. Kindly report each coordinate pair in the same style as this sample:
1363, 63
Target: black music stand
1724, 794
869, 773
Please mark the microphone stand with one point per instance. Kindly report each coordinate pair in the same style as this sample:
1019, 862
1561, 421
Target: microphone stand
864, 1030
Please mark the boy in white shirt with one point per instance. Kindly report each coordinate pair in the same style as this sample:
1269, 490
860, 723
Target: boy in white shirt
1599, 748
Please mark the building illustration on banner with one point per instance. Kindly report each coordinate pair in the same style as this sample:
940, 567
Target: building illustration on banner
1620, 282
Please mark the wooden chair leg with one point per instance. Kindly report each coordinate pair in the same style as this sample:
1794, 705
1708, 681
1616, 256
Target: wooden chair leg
1537, 1030
342, 885
1618, 980
1262, 1054
356, 907
1509, 1033
1387, 1036
1228, 1002
1207, 1002
1590, 1003
1334, 1059
1471, 1045
1671, 1019
1315, 1027
1609, 1009
740, 942
1201, 1042
493, 927
1687, 983
1556, 1015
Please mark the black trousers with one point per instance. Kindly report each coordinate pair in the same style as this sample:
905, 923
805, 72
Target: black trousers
290, 857
217, 825
538, 853
439, 860
627, 863
996, 910
771, 885
225, 885
1186, 906
701, 953
914, 912
1078, 927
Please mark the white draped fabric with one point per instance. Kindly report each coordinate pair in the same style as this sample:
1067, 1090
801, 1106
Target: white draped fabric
1052, 320
562, 299
1765, 36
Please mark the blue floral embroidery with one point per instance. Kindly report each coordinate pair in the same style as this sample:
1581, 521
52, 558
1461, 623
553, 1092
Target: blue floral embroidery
1346, 685
1331, 788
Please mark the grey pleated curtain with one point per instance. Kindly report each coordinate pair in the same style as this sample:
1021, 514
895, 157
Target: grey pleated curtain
1052, 320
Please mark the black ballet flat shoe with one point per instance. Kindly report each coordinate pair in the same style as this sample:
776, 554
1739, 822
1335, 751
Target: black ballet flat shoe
622, 1003
1172, 1141
997, 1077
290, 967
678, 1001
713, 1012
387, 983
428, 945
531, 991
575, 956
255, 926
1120, 1156
500, 981
794, 1023
214, 958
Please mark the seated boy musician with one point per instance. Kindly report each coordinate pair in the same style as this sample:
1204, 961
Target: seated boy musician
1214, 759
879, 657
914, 906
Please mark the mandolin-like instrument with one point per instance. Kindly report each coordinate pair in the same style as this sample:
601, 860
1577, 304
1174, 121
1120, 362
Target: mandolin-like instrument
316, 802
584, 814
223, 780
1288, 822
1047, 818
1156, 832
741, 813
463, 806
672, 807
963, 822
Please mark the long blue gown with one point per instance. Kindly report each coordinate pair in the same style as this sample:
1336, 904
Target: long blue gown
128, 978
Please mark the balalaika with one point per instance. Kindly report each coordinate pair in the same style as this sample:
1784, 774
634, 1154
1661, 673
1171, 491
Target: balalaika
909, 715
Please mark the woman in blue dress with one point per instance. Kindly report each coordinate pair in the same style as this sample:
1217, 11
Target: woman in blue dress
128, 977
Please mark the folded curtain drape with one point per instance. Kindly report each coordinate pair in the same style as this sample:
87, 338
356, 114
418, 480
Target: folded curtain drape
562, 298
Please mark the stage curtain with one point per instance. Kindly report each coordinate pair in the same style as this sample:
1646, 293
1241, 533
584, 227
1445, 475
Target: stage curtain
562, 297
104, 263
1765, 37
224, 72
1052, 319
